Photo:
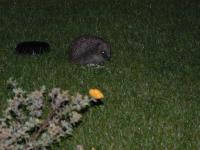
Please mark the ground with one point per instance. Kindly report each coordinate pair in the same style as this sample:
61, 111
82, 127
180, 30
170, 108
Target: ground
151, 85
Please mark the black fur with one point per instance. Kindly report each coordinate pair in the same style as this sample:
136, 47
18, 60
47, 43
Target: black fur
32, 47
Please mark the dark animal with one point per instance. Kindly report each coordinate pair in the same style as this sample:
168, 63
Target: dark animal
32, 47
89, 50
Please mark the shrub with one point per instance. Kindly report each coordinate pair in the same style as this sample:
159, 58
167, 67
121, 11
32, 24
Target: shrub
24, 126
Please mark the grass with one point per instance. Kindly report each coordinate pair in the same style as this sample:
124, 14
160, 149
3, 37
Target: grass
151, 85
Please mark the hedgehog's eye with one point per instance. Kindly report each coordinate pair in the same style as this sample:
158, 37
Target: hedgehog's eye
104, 54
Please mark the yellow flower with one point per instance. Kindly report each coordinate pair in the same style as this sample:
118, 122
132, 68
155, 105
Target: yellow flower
95, 93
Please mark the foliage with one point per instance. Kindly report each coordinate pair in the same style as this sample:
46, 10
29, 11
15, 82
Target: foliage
23, 125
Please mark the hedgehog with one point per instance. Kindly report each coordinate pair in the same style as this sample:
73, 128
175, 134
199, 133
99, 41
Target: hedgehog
89, 50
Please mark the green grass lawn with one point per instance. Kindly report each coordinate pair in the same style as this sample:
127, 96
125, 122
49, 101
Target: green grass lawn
151, 84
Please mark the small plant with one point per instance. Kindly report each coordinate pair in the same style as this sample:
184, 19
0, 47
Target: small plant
24, 126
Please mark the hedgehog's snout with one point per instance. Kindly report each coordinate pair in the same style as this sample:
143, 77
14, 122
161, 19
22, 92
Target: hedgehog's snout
106, 55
